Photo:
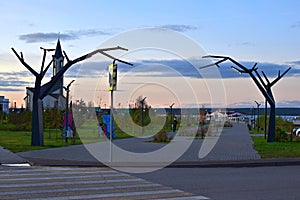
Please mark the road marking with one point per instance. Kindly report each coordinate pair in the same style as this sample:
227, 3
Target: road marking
81, 183
123, 194
64, 177
138, 186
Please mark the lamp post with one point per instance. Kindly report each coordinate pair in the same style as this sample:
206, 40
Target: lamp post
112, 87
254, 118
171, 113
266, 111
143, 117
67, 108
258, 104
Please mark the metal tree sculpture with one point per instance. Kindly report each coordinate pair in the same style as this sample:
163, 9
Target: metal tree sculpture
40, 91
265, 88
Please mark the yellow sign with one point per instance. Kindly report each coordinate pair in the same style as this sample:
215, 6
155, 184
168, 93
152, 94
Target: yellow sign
112, 77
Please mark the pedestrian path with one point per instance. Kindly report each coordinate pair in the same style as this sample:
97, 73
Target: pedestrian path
7, 157
80, 183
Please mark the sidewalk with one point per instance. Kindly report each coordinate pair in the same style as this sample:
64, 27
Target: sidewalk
233, 148
7, 157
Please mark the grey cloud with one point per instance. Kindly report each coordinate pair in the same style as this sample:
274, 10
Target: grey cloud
179, 27
45, 37
12, 75
296, 25
291, 103
7, 89
68, 35
13, 83
175, 68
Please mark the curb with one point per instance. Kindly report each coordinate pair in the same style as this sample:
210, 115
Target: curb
185, 164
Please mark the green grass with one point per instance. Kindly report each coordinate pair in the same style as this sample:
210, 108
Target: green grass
276, 149
19, 141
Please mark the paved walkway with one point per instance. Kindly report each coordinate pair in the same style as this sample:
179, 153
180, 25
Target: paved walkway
234, 144
7, 157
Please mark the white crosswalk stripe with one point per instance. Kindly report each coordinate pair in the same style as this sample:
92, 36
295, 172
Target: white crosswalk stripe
81, 183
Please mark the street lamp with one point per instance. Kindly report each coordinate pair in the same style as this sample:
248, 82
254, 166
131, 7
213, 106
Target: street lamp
143, 117
258, 104
112, 87
67, 108
171, 113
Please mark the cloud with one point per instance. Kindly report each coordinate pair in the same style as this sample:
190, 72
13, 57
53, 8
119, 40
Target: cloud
68, 35
246, 43
179, 27
10, 81
176, 68
7, 89
296, 25
270, 69
45, 37
296, 63
288, 103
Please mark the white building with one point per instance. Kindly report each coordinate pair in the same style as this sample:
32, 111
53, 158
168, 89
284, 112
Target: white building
4, 104
55, 98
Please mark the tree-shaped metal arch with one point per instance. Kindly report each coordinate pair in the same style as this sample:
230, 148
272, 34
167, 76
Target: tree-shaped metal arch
265, 88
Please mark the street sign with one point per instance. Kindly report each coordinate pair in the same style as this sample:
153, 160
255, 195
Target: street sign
112, 77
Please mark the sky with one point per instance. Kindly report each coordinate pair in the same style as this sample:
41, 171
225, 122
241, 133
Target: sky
262, 31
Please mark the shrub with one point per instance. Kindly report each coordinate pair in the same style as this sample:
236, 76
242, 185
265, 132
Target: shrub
161, 136
280, 135
249, 127
201, 132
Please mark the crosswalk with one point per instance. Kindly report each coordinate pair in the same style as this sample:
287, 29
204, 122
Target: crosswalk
61, 183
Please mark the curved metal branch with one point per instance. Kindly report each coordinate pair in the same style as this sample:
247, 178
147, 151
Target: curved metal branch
21, 59
280, 76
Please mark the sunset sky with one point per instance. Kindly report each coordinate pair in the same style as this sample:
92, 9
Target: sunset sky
266, 32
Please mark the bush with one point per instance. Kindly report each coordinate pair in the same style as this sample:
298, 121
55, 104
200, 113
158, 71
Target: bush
161, 136
249, 127
201, 132
280, 135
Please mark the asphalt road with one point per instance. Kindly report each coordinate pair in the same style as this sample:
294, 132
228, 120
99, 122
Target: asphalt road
232, 183
63, 183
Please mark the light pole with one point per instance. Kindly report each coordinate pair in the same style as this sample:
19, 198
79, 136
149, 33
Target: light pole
266, 111
67, 107
112, 87
254, 118
171, 113
143, 102
258, 104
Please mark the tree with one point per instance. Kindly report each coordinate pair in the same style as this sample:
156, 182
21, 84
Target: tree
40, 91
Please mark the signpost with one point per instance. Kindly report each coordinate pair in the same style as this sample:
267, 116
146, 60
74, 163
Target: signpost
112, 81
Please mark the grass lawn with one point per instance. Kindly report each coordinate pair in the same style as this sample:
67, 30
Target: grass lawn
18, 141
276, 149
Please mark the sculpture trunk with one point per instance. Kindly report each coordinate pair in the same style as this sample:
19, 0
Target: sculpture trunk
271, 131
37, 130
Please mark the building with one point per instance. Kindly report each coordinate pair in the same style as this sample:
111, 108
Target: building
4, 104
55, 98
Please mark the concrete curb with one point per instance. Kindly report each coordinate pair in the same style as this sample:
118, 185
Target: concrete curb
185, 164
